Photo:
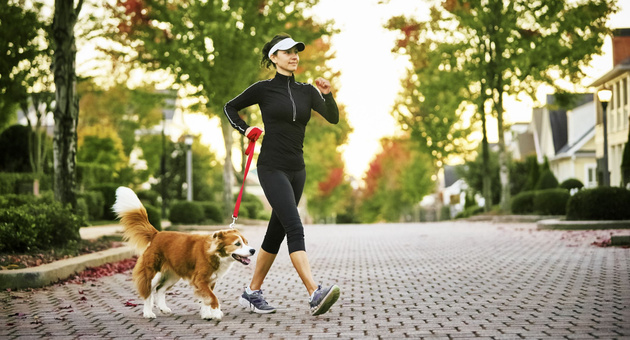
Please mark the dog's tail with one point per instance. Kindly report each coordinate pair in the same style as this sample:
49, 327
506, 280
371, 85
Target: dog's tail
133, 216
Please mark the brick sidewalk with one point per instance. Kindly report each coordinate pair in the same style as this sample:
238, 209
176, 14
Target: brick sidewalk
439, 281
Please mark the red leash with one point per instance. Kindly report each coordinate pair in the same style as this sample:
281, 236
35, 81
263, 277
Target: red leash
250, 153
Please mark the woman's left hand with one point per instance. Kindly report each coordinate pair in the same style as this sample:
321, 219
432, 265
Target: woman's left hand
323, 85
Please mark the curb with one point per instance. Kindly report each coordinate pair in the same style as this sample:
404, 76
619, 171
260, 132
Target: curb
52, 272
556, 224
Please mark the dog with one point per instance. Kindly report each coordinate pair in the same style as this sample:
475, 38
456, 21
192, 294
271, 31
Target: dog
167, 256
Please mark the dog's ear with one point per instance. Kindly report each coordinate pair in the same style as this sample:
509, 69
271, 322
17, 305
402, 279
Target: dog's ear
218, 234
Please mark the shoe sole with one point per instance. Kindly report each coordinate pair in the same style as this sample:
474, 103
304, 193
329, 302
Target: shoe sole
244, 303
328, 301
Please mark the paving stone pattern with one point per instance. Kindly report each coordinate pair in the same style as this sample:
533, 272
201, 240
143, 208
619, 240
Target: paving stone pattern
435, 281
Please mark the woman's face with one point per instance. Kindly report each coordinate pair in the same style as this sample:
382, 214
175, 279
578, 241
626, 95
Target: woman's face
286, 61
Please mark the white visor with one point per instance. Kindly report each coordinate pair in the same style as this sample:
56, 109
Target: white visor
286, 44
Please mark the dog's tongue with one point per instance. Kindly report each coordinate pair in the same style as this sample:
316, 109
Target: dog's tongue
245, 260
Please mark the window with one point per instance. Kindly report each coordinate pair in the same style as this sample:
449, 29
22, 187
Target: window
624, 90
591, 179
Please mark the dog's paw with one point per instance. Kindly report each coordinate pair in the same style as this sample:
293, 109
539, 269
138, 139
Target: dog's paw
148, 314
208, 313
165, 310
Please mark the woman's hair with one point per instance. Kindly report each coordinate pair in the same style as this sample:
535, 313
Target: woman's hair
266, 61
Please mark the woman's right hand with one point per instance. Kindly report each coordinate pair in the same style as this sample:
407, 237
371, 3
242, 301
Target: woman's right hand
253, 133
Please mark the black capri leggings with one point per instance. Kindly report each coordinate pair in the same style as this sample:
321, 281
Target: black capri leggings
283, 190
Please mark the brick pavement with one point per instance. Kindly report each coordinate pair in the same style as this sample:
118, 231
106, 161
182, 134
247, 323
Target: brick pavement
436, 281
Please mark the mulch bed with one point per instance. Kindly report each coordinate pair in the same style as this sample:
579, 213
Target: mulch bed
17, 261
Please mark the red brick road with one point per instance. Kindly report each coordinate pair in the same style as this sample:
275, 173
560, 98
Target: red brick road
438, 281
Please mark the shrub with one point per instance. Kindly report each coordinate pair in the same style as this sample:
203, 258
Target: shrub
149, 197
470, 211
251, 206
551, 201
22, 183
186, 212
95, 204
109, 196
602, 203
212, 212
571, 183
523, 203
38, 226
155, 216
546, 181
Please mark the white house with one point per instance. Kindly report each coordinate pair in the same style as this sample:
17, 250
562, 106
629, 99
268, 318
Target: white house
617, 114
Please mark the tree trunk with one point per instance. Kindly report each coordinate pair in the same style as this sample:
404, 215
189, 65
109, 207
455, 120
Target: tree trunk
504, 172
66, 111
228, 169
485, 164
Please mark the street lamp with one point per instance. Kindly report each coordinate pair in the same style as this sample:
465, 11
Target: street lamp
169, 98
604, 97
189, 140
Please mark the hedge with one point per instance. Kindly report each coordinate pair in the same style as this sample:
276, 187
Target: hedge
602, 203
186, 212
38, 226
551, 201
523, 202
571, 183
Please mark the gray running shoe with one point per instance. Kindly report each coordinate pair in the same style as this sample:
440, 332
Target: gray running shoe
323, 299
256, 302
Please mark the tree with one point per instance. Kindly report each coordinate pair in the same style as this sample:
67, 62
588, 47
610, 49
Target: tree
396, 180
20, 29
66, 111
213, 46
511, 47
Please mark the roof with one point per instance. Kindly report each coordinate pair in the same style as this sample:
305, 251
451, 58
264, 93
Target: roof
570, 150
618, 70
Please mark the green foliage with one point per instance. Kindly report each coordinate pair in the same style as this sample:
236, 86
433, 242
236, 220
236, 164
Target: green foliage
95, 202
551, 201
533, 172
93, 174
109, 196
250, 206
155, 216
34, 226
22, 183
625, 163
148, 197
397, 180
470, 211
473, 171
20, 33
523, 202
602, 203
547, 180
212, 212
571, 183
14, 152
186, 212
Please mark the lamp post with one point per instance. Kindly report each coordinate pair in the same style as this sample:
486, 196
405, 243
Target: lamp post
169, 98
189, 140
604, 97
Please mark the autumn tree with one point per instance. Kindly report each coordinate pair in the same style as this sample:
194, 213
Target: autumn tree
397, 179
213, 46
510, 47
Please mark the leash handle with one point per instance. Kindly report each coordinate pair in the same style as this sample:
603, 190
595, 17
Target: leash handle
250, 153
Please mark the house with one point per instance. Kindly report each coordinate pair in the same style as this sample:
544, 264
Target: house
618, 110
566, 138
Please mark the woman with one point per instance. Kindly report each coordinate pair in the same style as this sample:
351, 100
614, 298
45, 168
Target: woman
285, 106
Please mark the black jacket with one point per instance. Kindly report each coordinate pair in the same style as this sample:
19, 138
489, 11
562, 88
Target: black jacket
286, 109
